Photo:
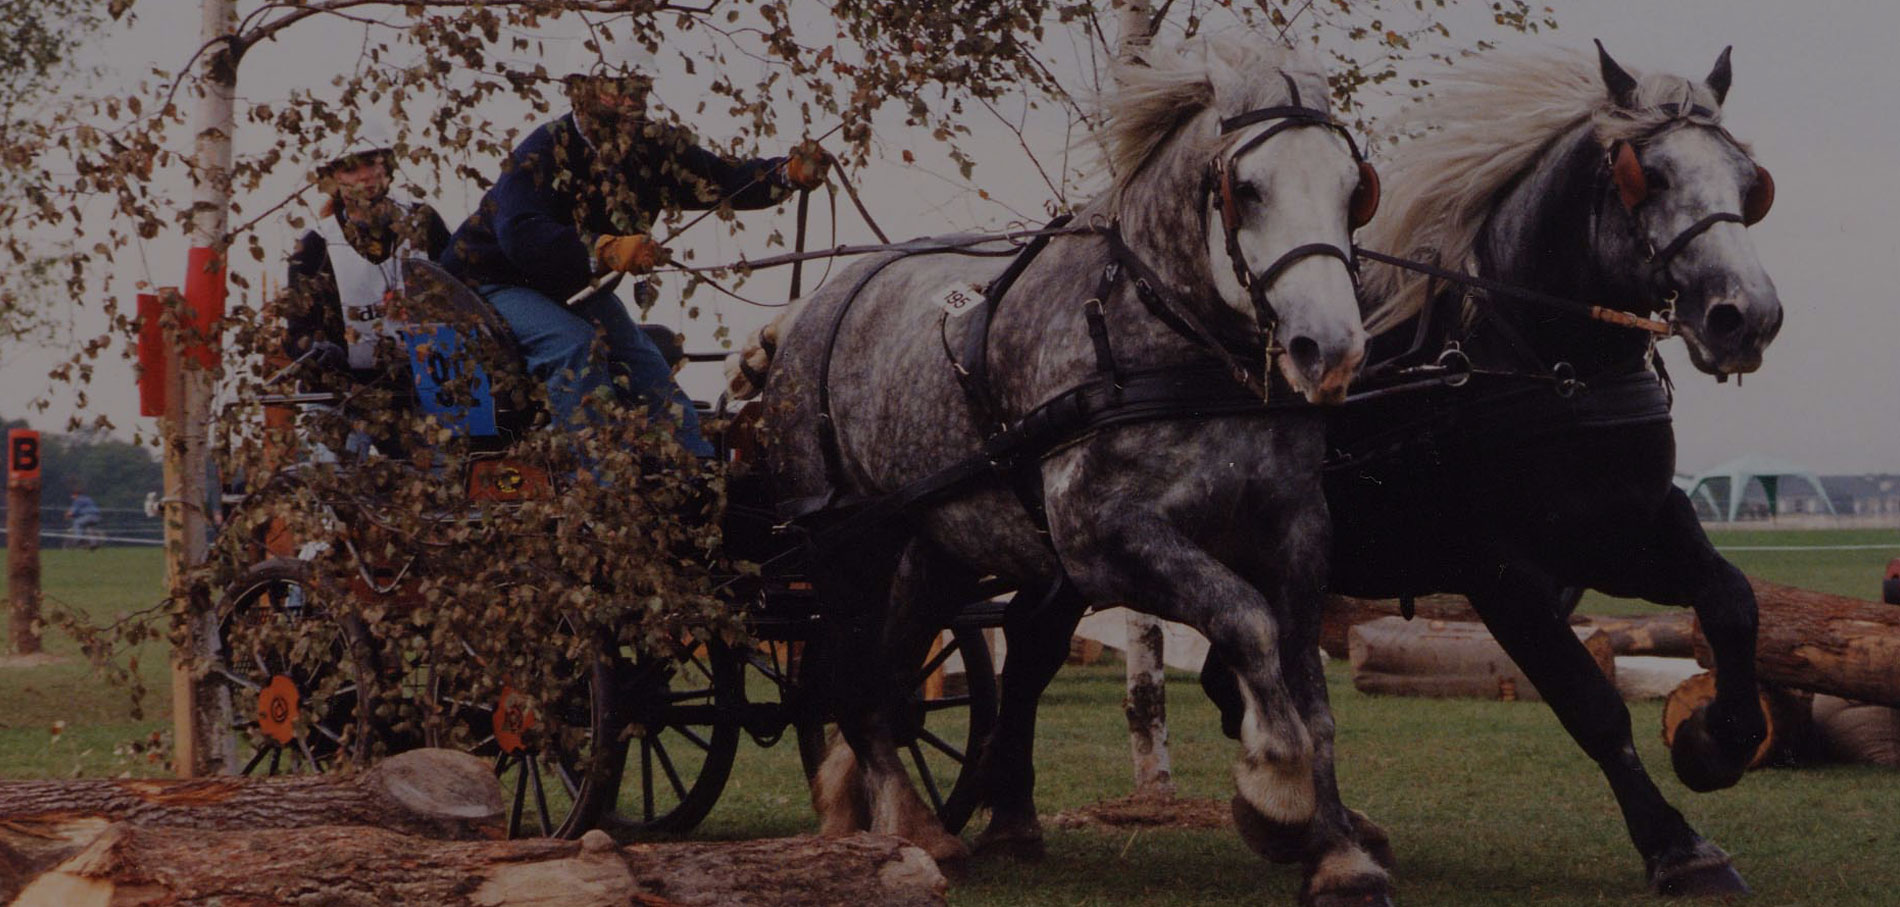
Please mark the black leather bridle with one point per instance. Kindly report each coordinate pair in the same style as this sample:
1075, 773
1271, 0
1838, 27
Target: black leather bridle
1217, 184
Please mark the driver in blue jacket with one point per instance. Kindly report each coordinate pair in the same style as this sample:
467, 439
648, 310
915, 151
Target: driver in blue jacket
579, 196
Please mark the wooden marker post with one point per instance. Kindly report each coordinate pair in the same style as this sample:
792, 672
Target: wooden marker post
23, 539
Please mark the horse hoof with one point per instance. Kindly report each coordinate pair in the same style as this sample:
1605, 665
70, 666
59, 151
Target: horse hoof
1012, 843
1276, 842
1705, 872
1702, 882
950, 853
1373, 840
1379, 898
1701, 763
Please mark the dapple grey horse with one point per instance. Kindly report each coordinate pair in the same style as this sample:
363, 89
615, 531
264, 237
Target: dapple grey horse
1235, 223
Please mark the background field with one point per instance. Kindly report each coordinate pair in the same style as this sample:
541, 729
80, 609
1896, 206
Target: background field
1487, 803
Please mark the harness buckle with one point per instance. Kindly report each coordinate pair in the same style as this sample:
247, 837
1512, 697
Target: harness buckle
1456, 363
1565, 375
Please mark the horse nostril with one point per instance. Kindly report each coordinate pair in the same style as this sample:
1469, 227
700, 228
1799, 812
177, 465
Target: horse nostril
1724, 319
1306, 356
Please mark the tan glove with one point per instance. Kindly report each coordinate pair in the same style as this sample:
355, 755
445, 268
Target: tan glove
634, 253
807, 167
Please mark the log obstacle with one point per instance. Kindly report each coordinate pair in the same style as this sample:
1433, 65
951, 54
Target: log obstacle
1671, 634
1787, 711
1440, 658
131, 866
419, 828
1824, 644
1857, 732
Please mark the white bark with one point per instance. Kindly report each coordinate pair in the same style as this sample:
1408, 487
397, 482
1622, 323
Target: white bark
1146, 705
201, 713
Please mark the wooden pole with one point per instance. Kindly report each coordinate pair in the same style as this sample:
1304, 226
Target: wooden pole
23, 539
1146, 705
201, 712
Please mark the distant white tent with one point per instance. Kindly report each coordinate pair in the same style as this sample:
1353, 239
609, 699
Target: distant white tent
1736, 475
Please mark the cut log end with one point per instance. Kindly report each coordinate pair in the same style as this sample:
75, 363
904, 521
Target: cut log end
1786, 712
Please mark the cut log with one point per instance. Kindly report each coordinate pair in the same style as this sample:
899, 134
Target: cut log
1437, 658
1084, 651
1670, 635
1343, 612
431, 793
1640, 677
1824, 643
128, 866
1857, 732
1787, 711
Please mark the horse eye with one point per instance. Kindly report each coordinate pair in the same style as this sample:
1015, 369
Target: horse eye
1246, 192
1655, 180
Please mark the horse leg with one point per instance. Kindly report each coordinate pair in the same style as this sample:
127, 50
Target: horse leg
1520, 607
1223, 688
925, 594
1714, 746
1346, 857
856, 593
1277, 776
1038, 646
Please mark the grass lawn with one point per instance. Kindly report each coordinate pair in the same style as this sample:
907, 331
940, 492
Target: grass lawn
1487, 803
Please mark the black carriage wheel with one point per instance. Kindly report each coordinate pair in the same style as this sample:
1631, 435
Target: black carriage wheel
290, 715
542, 752
672, 729
941, 737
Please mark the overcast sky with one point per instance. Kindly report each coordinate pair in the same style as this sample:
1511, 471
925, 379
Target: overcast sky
1813, 92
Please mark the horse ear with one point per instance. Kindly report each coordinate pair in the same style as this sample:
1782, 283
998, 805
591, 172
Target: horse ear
1631, 186
1621, 84
1720, 76
1365, 196
1760, 198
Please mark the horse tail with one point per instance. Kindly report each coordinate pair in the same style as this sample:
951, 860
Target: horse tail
746, 370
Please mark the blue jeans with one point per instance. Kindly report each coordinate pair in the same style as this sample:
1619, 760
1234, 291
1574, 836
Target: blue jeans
555, 340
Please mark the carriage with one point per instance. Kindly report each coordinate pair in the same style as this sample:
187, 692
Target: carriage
637, 742
1155, 481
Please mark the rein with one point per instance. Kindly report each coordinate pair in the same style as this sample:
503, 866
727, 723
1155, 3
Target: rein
1563, 304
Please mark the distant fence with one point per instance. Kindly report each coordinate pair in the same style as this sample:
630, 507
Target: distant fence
127, 526
1813, 521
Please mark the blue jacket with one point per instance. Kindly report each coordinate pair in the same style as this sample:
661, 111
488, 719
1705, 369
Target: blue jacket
534, 227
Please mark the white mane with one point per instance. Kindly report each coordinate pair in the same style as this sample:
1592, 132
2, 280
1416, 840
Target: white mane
1500, 115
1236, 72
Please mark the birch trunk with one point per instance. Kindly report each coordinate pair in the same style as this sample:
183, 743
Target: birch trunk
1147, 703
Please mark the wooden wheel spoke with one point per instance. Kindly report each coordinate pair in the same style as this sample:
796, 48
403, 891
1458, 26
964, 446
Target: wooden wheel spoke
521, 790
646, 779
255, 759
948, 702
238, 679
939, 744
686, 695
532, 766
936, 661
705, 670
924, 774
310, 758
672, 774
693, 737
320, 728
276, 758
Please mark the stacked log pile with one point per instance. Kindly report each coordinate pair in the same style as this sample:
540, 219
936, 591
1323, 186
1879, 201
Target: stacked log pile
418, 829
1447, 659
1669, 634
1829, 665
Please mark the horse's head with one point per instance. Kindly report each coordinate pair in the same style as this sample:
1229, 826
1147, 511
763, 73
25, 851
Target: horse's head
1680, 193
1280, 188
